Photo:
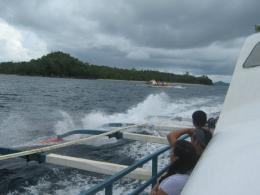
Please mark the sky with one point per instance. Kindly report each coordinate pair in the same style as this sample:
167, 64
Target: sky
202, 37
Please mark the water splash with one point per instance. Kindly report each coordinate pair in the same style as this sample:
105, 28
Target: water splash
152, 105
157, 109
64, 125
179, 87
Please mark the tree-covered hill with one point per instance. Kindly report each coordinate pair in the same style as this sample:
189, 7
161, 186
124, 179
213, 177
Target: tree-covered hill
59, 64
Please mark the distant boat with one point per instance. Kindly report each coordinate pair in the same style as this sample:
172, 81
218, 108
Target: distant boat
154, 83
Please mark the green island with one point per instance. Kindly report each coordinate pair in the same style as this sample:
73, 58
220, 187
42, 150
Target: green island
59, 64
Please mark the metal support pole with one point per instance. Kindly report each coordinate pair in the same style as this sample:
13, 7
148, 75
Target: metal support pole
109, 190
154, 169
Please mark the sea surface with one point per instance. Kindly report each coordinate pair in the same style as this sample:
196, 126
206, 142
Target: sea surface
33, 109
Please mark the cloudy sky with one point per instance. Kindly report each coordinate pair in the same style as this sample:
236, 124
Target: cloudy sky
199, 36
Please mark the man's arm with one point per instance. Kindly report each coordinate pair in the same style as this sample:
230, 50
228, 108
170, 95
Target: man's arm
173, 136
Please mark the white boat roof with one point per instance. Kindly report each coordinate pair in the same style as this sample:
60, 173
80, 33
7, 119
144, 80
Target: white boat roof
231, 162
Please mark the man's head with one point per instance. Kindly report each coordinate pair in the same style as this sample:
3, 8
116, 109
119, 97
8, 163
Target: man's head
199, 118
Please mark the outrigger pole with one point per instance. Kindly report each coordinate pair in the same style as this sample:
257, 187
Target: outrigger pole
65, 144
86, 164
118, 135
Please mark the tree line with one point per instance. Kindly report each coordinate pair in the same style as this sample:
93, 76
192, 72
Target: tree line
59, 64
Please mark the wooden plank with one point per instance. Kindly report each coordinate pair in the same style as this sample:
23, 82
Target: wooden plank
64, 144
96, 166
145, 138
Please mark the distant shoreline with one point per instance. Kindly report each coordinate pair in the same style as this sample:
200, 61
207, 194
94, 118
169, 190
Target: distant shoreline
60, 77
62, 65
56, 77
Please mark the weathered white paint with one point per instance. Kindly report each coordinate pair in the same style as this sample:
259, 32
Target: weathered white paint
96, 166
145, 138
230, 164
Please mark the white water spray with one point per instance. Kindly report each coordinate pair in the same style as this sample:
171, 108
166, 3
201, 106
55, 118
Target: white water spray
157, 109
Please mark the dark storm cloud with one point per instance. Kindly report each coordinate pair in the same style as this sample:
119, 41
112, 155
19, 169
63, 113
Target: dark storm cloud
178, 24
202, 37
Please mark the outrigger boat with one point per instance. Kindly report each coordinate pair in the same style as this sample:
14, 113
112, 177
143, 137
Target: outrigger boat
154, 83
230, 164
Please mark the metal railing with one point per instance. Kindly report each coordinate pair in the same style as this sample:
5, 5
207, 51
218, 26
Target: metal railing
108, 183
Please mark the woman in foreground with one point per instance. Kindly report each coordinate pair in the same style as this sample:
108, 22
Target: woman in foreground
183, 160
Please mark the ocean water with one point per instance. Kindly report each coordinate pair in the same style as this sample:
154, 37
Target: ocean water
33, 109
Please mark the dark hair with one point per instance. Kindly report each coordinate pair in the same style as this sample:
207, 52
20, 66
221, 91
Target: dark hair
186, 158
199, 118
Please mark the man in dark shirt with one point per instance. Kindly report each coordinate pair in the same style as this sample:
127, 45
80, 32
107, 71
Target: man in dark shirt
200, 135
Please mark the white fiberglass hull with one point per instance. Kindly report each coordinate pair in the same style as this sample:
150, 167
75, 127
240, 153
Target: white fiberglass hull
230, 164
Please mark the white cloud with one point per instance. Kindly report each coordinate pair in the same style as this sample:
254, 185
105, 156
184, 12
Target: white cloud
18, 45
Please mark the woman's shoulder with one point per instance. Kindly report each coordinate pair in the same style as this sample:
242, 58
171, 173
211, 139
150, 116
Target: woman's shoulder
177, 177
174, 183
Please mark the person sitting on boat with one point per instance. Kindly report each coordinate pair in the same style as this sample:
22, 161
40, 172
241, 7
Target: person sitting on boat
211, 124
183, 160
200, 135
